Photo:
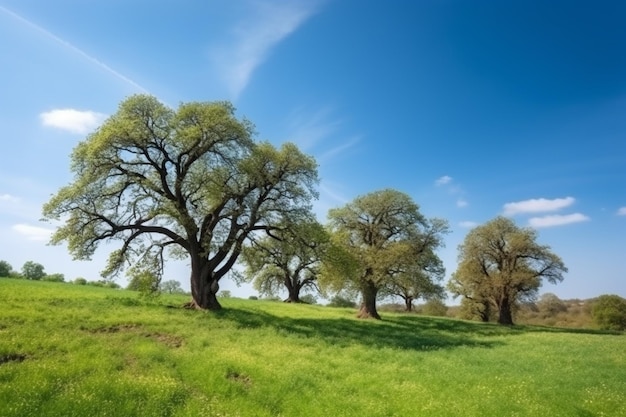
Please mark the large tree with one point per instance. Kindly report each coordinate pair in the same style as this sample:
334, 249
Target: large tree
190, 179
388, 237
289, 259
501, 264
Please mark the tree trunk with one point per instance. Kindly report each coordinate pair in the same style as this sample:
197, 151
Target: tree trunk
368, 304
204, 286
408, 304
293, 289
505, 315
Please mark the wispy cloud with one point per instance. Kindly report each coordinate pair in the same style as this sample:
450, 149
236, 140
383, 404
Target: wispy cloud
537, 205
75, 121
443, 180
73, 48
255, 36
461, 203
557, 220
307, 129
468, 224
33, 232
621, 211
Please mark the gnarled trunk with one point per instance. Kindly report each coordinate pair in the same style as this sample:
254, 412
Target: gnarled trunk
204, 286
369, 292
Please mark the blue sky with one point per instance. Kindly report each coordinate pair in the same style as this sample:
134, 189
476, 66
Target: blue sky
474, 108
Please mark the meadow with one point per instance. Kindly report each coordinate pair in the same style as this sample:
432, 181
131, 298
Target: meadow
69, 350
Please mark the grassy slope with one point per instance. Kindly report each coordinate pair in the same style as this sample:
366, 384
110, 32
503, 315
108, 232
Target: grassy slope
84, 351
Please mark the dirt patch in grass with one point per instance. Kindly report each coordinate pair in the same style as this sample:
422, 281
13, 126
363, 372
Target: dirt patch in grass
12, 357
169, 340
239, 378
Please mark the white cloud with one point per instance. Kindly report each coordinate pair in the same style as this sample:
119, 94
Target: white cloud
621, 211
443, 180
557, 220
537, 205
74, 121
255, 36
468, 224
8, 198
461, 203
33, 232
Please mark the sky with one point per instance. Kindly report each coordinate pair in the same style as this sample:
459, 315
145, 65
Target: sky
473, 108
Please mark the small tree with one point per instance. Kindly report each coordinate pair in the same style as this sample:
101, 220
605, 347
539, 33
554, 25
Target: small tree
290, 258
143, 281
171, 287
32, 270
5, 269
609, 312
551, 305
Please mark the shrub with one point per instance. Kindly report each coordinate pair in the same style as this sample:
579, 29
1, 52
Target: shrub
435, 307
339, 301
54, 278
308, 299
609, 312
80, 281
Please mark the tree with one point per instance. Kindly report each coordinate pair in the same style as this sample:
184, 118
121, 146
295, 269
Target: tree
500, 265
171, 287
609, 312
190, 180
551, 305
33, 270
418, 280
5, 269
388, 237
435, 307
290, 258
141, 280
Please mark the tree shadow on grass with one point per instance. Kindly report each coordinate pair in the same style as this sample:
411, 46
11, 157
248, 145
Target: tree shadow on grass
411, 333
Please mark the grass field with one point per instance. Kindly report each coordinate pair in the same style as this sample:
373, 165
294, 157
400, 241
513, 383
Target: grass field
68, 350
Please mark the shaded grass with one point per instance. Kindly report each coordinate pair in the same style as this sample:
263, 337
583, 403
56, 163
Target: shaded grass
95, 351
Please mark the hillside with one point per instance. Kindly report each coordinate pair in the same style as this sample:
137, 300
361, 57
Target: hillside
69, 350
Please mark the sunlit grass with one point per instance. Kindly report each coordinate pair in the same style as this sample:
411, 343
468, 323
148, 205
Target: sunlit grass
84, 351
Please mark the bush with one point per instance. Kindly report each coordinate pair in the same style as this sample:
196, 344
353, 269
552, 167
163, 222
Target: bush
609, 312
435, 307
308, 299
253, 297
339, 301
80, 281
54, 278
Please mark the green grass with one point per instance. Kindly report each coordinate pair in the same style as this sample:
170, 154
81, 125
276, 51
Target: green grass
70, 350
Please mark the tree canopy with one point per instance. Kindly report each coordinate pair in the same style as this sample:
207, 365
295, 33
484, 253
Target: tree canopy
501, 264
389, 239
191, 180
5, 269
33, 270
